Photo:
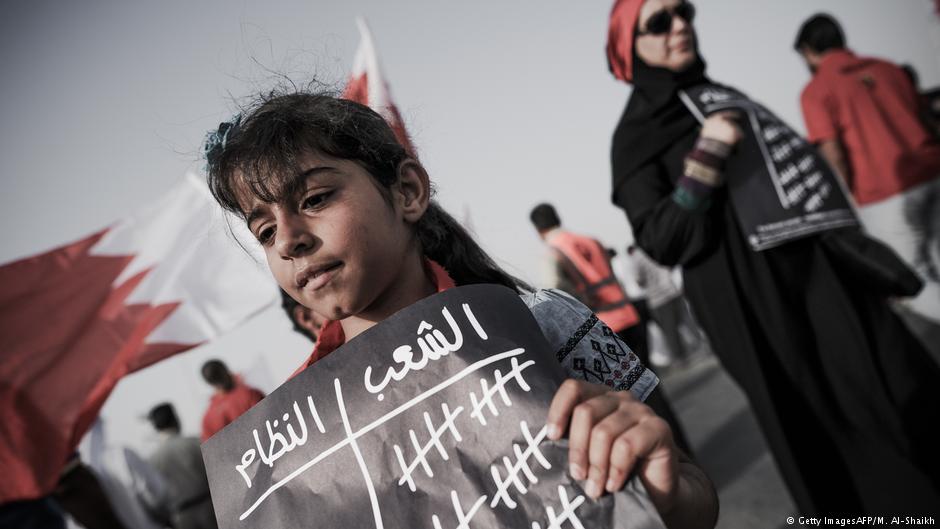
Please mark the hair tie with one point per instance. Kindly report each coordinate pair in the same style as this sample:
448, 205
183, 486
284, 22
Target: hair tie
217, 139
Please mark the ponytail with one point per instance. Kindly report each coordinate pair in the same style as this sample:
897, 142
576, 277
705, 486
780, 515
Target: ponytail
446, 242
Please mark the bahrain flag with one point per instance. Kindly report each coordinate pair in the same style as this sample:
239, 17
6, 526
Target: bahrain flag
367, 85
76, 319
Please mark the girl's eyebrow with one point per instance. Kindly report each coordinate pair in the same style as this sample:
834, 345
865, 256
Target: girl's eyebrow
258, 211
254, 214
313, 171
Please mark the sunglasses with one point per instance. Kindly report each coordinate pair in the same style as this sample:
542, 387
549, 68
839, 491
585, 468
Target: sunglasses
661, 21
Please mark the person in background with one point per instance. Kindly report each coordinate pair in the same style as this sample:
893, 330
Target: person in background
844, 393
83, 496
231, 399
179, 462
666, 304
80, 493
584, 271
136, 492
41, 513
867, 119
305, 321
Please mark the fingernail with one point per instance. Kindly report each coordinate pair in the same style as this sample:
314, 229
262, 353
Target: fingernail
611, 485
553, 432
593, 489
577, 471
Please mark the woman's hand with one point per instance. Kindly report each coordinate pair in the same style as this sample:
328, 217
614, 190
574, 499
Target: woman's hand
611, 433
722, 126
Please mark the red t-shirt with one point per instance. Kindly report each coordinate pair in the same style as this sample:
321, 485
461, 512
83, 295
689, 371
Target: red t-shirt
226, 407
871, 107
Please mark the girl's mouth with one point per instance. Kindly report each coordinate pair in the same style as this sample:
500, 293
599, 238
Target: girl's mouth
323, 276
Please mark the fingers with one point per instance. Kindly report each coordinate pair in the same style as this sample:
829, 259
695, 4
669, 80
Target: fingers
611, 434
602, 438
569, 394
723, 126
582, 432
649, 441
730, 115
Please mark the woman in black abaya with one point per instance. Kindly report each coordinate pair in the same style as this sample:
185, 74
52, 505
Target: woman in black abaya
845, 395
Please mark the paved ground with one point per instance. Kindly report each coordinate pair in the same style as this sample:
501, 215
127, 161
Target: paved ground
729, 445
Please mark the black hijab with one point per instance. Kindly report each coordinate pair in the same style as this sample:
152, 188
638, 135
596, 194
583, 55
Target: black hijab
654, 118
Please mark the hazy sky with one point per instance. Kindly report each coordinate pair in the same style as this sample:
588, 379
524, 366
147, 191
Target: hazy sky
104, 104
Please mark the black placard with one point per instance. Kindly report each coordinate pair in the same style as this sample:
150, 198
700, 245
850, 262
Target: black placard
433, 418
780, 188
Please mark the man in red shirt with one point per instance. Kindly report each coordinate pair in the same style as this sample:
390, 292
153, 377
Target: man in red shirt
231, 399
865, 116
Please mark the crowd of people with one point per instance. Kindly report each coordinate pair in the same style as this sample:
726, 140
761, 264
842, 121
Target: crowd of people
810, 323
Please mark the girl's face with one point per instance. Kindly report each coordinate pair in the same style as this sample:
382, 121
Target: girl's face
340, 247
670, 46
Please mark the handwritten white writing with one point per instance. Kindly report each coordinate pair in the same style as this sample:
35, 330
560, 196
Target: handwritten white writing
463, 519
521, 465
472, 368
433, 344
515, 373
278, 443
568, 514
435, 442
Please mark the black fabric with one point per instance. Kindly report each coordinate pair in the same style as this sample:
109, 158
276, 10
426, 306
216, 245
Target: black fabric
31, 514
869, 261
844, 393
654, 117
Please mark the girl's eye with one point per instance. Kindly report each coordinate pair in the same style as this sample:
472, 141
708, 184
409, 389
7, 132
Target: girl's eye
315, 201
265, 235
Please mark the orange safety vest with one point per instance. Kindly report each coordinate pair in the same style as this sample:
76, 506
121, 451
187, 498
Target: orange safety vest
588, 265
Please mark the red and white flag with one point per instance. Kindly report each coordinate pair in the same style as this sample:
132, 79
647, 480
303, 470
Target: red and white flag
367, 85
76, 319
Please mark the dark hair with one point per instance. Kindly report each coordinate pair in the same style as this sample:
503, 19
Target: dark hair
911, 74
163, 417
820, 33
216, 373
544, 217
290, 304
260, 150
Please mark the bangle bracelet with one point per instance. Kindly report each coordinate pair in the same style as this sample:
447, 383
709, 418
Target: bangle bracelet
714, 147
703, 173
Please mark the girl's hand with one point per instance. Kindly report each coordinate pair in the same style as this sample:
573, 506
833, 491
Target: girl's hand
722, 126
610, 434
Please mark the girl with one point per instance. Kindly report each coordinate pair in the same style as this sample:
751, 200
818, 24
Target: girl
349, 230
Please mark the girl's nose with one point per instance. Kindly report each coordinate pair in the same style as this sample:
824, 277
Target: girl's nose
294, 238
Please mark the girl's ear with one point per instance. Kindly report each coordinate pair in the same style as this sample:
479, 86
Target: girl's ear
414, 187
302, 315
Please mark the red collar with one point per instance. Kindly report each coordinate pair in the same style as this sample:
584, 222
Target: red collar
837, 60
332, 336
